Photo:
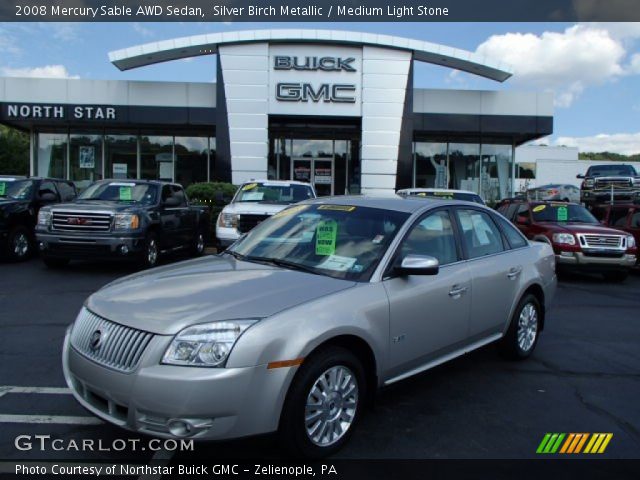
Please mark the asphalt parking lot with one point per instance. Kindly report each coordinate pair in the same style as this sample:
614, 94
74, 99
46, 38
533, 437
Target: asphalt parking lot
583, 377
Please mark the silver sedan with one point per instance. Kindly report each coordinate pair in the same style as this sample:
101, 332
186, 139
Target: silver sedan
301, 321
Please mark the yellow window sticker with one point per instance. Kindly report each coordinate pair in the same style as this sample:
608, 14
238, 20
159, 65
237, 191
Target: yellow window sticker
287, 212
249, 186
339, 208
326, 234
125, 193
539, 208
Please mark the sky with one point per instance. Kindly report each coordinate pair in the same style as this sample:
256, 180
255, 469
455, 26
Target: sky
593, 69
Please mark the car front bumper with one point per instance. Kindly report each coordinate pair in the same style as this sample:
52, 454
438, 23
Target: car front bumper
87, 246
226, 236
595, 261
158, 400
597, 196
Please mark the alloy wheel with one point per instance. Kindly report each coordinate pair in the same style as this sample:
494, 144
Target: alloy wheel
20, 245
152, 252
527, 327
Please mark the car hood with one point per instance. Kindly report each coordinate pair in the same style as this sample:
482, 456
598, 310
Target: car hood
95, 206
580, 228
167, 299
255, 208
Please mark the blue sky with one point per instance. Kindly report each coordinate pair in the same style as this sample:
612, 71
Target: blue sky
593, 69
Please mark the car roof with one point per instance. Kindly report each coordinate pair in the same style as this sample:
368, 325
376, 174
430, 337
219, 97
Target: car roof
437, 190
277, 182
394, 202
136, 180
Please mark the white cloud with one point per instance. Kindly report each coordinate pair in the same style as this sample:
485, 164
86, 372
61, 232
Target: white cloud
566, 62
624, 143
48, 71
8, 43
142, 30
65, 31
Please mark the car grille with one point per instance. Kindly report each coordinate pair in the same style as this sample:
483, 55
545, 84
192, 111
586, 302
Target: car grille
601, 241
247, 222
69, 221
613, 182
121, 347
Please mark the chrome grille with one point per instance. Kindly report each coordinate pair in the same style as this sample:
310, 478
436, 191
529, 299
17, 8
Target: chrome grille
120, 347
70, 221
614, 182
601, 241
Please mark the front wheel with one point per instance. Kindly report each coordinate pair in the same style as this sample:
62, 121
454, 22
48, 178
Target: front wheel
151, 251
522, 335
323, 404
197, 248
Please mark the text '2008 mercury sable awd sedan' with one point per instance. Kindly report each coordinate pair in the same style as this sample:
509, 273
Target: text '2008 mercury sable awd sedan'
296, 325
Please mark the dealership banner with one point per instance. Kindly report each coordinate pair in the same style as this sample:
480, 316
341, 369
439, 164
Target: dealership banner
319, 10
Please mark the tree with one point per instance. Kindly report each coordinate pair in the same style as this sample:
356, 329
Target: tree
14, 151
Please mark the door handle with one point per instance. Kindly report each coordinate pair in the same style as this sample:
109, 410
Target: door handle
457, 291
514, 272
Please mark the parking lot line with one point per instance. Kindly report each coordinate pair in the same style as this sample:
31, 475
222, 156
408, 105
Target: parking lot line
44, 390
59, 419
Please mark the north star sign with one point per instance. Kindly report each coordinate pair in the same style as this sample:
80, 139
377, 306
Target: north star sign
77, 112
304, 92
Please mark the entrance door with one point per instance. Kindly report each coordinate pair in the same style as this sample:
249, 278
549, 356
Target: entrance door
317, 172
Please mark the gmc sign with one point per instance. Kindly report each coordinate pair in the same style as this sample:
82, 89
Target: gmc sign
303, 92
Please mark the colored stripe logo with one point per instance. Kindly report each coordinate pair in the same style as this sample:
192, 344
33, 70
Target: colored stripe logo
574, 443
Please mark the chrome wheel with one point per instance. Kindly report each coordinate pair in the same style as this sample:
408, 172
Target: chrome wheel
200, 244
331, 406
20, 245
527, 327
152, 252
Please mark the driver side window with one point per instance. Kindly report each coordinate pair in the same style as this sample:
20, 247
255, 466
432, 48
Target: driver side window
432, 236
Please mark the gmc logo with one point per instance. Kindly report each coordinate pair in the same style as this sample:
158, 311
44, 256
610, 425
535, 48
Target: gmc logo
303, 92
326, 64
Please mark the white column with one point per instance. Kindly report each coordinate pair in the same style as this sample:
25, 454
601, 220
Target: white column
384, 87
245, 70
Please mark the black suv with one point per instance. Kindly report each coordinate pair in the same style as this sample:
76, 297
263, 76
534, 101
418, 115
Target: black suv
20, 200
122, 219
602, 182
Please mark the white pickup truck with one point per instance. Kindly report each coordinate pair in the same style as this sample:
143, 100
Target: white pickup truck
254, 202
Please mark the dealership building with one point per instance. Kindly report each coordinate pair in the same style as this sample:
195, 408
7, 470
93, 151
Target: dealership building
335, 108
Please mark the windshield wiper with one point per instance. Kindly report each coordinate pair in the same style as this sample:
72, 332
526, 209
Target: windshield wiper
236, 255
282, 263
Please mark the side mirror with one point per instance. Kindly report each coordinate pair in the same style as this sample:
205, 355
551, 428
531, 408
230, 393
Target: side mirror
47, 196
523, 221
171, 202
579, 175
418, 265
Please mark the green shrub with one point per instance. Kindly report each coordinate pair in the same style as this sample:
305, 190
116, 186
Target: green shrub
213, 194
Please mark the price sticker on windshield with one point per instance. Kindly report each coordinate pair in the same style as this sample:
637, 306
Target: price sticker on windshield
563, 214
326, 234
125, 193
539, 208
337, 208
3, 188
249, 186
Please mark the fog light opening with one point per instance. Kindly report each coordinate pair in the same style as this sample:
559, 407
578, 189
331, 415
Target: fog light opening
42, 246
180, 428
124, 249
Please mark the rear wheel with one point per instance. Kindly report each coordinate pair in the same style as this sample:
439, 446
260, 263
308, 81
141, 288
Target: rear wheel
522, 335
616, 277
324, 404
19, 244
55, 262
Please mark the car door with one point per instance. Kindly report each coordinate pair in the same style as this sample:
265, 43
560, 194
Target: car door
169, 220
429, 314
494, 272
186, 217
67, 191
522, 220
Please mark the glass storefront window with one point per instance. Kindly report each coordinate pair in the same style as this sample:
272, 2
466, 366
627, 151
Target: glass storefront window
52, 155
464, 167
121, 153
496, 172
212, 160
85, 159
430, 165
156, 158
191, 160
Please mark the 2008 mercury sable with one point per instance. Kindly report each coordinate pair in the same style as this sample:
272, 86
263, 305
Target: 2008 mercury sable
300, 321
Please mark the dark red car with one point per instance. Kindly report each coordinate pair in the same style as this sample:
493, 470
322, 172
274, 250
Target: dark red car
579, 241
622, 217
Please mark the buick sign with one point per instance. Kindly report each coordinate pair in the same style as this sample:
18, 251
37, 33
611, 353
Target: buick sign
326, 64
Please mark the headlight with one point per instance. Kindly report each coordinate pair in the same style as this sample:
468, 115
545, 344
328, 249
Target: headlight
206, 345
631, 241
44, 217
589, 183
564, 239
228, 220
126, 221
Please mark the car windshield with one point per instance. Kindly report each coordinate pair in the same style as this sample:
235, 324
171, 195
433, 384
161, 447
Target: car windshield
266, 192
467, 197
562, 213
129, 192
611, 170
340, 241
16, 189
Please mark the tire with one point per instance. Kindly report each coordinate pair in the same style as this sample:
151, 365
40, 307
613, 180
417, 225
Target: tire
293, 430
198, 244
616, 277
522, 335
55, 262
19, 244
151, 251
